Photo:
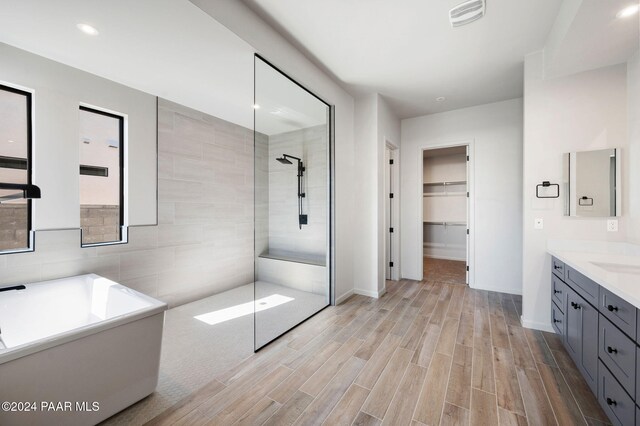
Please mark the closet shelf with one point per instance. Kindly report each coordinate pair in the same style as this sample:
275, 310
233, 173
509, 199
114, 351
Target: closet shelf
444, 194
426, 222
455, 182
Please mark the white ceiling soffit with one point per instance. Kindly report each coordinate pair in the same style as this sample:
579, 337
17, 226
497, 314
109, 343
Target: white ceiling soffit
408, 52
587, 35
168, 48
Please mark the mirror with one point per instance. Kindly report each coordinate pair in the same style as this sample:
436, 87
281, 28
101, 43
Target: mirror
292, 208
592, 183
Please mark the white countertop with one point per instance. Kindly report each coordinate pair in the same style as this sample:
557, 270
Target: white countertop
582, 257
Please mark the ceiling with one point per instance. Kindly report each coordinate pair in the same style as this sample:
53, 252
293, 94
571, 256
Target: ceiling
169, 48
587, 35
407, 51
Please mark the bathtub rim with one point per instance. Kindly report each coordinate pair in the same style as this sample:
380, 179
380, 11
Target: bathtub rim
26, 349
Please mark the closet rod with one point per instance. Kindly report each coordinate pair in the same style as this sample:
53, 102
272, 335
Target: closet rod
446, 223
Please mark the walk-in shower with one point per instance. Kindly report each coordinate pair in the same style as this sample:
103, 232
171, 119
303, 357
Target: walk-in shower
302, 218
292, 233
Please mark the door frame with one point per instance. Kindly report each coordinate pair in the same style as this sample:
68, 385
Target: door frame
395, 210
419, 244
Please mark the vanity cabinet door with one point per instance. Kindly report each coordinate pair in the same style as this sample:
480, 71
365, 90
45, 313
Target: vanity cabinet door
581, 321
573, 326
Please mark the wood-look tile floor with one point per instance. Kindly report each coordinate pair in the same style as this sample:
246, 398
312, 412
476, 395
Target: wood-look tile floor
445, 271
425, 353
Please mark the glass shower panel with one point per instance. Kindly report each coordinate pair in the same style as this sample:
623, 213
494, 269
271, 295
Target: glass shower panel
292, 203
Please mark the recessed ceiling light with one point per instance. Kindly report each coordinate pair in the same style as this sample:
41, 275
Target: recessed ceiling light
628, 11
440, 99
10, 141
256, 106
88, 29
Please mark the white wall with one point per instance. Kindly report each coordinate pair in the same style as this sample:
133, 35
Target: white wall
58, 91
633, 110
247, 25
585, 111
375, 125
495, 130
366, 270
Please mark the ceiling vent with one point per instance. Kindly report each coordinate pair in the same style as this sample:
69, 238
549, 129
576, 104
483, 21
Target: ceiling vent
467, 12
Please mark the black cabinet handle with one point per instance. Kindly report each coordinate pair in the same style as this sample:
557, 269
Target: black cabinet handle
556, 291
611, 401
575, 305
612, 350
557, 267
612, 308
556, 320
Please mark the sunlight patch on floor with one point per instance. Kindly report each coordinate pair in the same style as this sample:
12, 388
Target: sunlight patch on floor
237, 311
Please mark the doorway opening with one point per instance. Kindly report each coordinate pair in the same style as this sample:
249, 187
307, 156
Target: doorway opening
445, 214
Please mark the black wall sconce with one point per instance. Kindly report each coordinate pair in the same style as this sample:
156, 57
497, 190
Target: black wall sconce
547, 184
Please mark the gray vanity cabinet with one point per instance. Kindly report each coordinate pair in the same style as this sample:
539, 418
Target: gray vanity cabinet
600, 332
581, 337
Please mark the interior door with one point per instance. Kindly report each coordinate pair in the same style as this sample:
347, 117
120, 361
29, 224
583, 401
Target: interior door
468, 219
388, 188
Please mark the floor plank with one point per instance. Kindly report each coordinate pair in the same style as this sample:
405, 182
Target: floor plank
452, 415
536, 401
324, 403
349, 406
459, 387
384, 389
484, 410
431, 400
288, 413
507, 387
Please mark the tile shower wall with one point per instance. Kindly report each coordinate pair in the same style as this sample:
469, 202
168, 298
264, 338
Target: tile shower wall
203, 243
284, 234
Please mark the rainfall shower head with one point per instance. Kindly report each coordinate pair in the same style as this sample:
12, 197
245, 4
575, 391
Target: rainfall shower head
284, 160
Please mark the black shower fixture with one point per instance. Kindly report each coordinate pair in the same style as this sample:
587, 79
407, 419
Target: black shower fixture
283, 160
302, 218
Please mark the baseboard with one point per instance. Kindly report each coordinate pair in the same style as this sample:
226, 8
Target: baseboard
536, 325
514, 290
368, 293
344, 297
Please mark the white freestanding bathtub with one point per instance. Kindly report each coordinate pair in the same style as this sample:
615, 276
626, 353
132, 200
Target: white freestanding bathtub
75, 351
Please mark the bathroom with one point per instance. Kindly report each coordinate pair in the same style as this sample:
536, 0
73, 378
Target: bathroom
218, 211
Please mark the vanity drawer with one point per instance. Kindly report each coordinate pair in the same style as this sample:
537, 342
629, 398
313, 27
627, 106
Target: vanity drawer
618, 353
557, 320
619, 406
618, 311
558, 268
585, 287
558, 292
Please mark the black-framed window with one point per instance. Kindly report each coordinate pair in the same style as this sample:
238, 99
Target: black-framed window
15, 167
101, 173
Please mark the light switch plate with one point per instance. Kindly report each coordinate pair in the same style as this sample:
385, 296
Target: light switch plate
612, 225
538, 223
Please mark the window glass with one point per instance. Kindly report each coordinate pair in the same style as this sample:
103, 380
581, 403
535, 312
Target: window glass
101, 210
15, 214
